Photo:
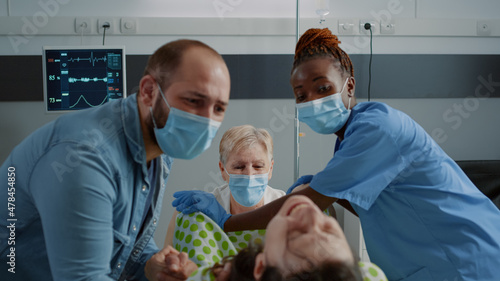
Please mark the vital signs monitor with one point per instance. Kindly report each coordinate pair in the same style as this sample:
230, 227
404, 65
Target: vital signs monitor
79, 77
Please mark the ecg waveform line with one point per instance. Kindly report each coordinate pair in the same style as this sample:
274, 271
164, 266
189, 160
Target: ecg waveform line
87, 79
84, 99
91, 60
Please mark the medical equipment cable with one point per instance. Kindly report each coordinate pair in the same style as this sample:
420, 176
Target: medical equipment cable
368, 26
105, 26
81, 33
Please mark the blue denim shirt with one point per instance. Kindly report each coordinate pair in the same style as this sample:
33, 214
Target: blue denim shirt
81, 185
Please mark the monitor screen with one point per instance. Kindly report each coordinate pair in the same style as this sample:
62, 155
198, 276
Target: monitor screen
82, 77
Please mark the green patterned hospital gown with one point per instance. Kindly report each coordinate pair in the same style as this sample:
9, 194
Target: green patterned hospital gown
206, 244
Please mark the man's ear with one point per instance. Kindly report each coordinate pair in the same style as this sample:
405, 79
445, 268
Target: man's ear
147, 90
260, 266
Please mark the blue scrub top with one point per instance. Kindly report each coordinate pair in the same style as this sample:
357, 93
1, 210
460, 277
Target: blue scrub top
422, 218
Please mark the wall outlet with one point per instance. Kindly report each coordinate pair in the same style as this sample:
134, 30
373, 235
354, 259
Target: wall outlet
103, 21
387, 28
83, 25
346, 27
128, 25
375, 27
484, 28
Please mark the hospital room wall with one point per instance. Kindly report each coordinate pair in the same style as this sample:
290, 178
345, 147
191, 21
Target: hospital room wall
473, 135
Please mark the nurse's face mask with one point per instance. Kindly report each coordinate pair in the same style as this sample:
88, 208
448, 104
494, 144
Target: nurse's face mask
247, 190
325, 115
185, 135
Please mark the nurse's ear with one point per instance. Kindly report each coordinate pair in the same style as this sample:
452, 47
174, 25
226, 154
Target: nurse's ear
260, 266
351, 86
349, 99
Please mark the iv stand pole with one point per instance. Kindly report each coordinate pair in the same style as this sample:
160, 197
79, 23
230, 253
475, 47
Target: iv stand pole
297, 126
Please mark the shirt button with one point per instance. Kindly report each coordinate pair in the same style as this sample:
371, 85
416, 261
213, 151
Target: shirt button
154, 221
119, 265
134, 228
136, 252
143, 188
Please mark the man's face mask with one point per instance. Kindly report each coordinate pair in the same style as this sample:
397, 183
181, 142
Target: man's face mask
185, 135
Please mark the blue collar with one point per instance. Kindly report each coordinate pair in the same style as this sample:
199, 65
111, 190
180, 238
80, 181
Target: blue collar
132, 128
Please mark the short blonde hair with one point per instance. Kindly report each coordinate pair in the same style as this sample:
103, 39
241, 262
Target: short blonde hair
244, 136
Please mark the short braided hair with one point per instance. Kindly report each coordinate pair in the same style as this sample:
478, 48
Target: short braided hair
317, 43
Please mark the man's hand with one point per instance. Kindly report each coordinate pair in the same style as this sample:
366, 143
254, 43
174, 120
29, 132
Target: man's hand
169, 265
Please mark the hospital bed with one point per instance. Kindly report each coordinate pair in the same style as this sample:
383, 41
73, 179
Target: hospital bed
485, 174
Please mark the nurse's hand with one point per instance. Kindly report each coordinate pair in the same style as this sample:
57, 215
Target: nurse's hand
302, 180
192, 201
169, 265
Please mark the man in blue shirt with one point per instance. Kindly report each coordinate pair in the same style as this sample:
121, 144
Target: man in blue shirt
86, 190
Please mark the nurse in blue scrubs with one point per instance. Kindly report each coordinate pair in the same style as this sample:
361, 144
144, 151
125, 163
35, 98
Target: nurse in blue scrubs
422, 218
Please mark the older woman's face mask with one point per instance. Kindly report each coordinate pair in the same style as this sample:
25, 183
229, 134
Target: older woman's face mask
248, 190
249, 173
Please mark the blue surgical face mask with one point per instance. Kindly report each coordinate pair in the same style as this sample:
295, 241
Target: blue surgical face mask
325, 115
185, 135
247, 190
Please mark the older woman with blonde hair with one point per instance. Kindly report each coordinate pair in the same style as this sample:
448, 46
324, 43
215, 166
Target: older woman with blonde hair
246, 165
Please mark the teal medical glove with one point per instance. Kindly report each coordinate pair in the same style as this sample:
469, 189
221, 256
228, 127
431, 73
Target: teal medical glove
192, 201
302, 180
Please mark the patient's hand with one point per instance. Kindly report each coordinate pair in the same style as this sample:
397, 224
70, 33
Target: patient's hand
169, 265
223, 274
